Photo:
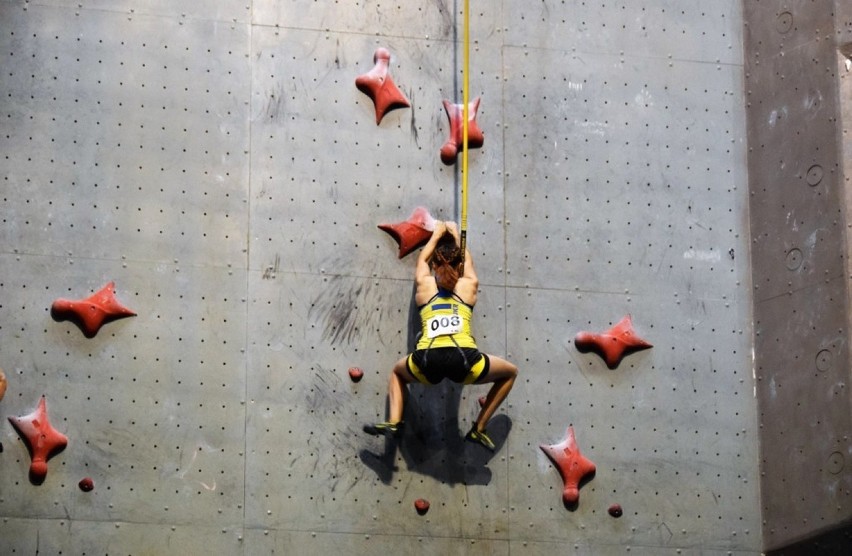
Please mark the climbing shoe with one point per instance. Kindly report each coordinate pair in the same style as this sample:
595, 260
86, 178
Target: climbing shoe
386, 428
479, 437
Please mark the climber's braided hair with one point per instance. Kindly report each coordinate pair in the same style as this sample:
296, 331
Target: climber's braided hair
446, 261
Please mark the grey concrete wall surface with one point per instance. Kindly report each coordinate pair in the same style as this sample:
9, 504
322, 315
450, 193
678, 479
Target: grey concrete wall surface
215, 159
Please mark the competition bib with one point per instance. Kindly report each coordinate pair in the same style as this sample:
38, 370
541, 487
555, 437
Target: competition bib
443, 325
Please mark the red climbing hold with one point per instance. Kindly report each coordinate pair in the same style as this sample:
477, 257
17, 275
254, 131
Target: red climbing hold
355, 374
615, 510
43, 441
412, 233
379, 86
572, 465
455, 143
421, 505
93, 312
614, 344
86, 484
482, 400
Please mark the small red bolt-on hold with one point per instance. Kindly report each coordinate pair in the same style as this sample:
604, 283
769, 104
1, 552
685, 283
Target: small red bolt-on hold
412, 233
379, 86
43, 441
455, 143
614, 344
421, 505
482, 400
93, 312
572, 466
615, 510
86, 484
355, 374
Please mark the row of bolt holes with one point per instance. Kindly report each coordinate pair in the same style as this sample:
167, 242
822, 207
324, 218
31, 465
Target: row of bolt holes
794, 256
813, 178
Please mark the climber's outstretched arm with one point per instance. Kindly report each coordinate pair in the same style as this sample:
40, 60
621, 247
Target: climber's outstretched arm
422, 272
468, 284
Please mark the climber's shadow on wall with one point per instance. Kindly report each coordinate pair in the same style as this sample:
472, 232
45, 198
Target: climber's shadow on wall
432, 439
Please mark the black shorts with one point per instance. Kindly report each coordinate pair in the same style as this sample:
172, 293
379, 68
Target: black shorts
461, 365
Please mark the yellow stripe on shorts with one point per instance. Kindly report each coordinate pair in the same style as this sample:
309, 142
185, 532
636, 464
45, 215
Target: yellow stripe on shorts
475, 371
415, 370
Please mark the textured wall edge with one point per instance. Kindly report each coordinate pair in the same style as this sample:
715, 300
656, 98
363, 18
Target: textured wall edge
794, 494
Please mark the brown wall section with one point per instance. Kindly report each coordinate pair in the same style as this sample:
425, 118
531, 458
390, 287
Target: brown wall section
844, 71
800, 275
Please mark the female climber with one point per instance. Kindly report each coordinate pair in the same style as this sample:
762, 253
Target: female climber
446, 348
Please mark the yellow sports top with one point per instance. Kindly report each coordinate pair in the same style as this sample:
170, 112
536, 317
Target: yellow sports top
446, 322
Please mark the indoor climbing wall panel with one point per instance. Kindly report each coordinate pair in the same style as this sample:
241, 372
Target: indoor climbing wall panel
633, 177
216, 161
125, 141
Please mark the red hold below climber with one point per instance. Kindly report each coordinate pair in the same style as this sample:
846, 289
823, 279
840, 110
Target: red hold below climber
356, 374
572, 465
43, 441
421, 505
93, 312
614, 344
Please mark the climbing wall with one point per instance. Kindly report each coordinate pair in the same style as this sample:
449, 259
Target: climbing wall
216, 161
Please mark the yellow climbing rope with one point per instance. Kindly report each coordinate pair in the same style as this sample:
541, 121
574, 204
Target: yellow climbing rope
465, 97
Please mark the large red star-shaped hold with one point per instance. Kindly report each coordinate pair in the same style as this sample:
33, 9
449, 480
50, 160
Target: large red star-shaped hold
572, 465
614, 344
43, 441
379, 86
93, 312
412, 233
455, 143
